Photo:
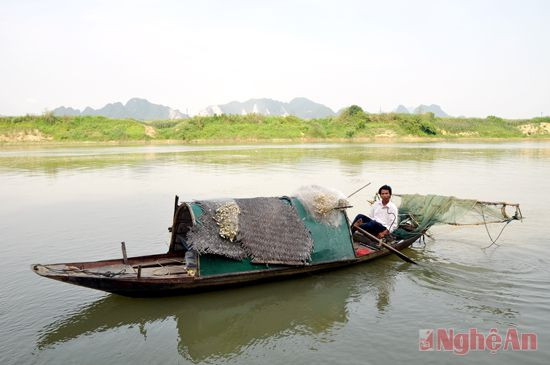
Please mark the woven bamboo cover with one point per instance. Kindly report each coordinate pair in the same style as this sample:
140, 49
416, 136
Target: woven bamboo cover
205, 236
271, 231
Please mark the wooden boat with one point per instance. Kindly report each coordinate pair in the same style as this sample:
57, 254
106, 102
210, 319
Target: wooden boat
166, 274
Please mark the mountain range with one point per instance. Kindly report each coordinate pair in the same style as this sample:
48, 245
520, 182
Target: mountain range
300, 107
141, 109
421, 109
135, 108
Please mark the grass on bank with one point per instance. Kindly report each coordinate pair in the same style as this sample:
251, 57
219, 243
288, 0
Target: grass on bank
69, 128
352, 123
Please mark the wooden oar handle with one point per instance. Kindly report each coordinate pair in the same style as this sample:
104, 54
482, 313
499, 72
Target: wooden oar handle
384, 244
368, 234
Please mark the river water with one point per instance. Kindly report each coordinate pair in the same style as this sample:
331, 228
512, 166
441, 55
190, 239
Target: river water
77, 203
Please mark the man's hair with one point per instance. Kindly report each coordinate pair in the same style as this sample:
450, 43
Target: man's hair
384, 187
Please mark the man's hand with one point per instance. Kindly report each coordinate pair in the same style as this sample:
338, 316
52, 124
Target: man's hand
383, 234
358, 223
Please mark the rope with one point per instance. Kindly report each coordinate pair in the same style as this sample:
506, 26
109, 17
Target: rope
421, 241
110, 274
162, 267
107, 274
394, 218
155, 272
493, 241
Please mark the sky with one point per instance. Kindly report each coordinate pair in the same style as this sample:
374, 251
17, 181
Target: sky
473, 58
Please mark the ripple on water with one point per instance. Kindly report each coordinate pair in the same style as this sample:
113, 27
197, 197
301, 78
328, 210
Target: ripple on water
483, 290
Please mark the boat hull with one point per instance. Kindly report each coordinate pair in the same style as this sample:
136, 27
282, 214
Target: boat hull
133, 286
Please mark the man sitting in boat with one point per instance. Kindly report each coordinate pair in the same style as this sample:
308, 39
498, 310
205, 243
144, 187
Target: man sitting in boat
383, 218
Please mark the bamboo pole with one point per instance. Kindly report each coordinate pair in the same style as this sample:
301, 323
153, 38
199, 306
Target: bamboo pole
124, 256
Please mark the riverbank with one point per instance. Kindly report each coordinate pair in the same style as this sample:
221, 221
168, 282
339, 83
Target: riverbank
352, 125
239, 142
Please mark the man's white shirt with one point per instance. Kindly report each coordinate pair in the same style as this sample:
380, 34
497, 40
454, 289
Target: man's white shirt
385, 214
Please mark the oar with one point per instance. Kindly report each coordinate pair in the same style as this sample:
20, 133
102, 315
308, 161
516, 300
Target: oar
393, 250
358, 190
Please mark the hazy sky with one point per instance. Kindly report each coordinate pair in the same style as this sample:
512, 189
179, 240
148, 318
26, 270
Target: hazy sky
474, 58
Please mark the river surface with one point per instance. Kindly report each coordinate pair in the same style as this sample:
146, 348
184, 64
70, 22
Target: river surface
77, 203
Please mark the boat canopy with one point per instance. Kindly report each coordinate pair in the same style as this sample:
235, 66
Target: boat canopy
235, 236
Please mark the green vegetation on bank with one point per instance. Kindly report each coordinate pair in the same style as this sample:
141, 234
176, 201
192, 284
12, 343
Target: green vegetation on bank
352, 123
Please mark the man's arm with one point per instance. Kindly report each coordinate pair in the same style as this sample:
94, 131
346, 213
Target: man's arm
371, 211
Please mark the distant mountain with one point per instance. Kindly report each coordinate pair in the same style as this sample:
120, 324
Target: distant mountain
401, 109
135, 108
436, 109
421, 109
65, 111
300, 107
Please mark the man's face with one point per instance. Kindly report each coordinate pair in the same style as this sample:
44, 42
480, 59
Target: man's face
385, 196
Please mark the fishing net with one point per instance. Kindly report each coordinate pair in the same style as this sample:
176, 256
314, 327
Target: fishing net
323, 204
419, 212
227, 218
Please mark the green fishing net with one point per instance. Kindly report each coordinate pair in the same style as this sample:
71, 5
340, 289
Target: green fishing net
417, 213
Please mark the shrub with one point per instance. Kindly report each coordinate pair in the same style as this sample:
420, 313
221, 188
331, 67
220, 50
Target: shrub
49, 117
492, 118
317, 130
163, 124
416, 125
354, 110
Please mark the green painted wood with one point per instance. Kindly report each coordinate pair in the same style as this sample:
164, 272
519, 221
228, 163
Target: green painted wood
197, 212
330, 243
216, 265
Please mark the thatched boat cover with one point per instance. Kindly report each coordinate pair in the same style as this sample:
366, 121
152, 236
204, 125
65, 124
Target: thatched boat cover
270, 231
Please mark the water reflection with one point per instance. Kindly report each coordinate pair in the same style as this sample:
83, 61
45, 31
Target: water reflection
218, 323
349, 155
222, 324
